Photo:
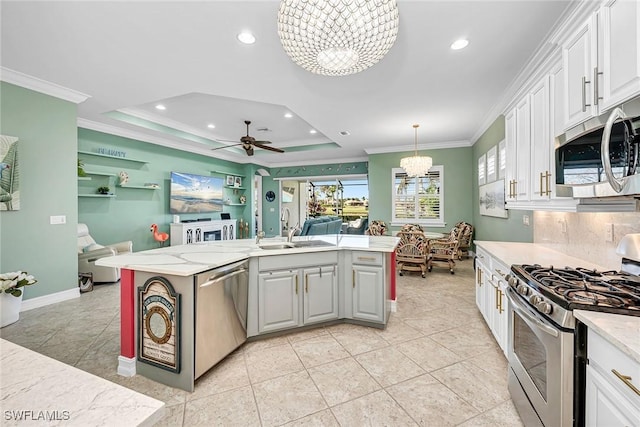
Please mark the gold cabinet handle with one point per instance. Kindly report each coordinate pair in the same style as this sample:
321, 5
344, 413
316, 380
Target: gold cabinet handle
627, 380
500, 294
500, 272
296, 285
497, 297
353, 278
306, 283
548, 178
542, 192
366, 258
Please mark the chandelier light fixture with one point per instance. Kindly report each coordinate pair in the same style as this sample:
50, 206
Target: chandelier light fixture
416, 165
337, 37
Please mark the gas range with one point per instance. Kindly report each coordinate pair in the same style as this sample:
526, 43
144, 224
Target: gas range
555, 292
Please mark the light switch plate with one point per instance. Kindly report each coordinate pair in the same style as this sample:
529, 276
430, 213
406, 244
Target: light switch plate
525, 219
608, 232
57, 219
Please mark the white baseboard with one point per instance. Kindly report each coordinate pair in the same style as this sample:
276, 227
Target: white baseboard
30, 304
394, 305
126, 366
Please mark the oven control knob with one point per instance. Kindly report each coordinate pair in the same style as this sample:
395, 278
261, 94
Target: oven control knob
511, 280
544, 307
522, 290
534, 300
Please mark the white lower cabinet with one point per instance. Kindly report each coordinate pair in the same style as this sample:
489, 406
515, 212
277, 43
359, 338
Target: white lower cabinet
613, 379
368, 293
282, 293
490, 295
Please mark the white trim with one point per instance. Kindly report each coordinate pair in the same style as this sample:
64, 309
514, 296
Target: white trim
321, 177
33, 83
31, 303
393, 304
318, 162
126, 366
429, 146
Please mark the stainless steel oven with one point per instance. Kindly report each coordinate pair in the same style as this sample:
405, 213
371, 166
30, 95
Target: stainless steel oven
541, 366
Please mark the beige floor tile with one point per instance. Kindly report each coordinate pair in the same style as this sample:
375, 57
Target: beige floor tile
428, 354
398, 331
503, 415
466, 341
434, 321
66, 351
319, 350
287, 398
272, 362
492, 361
430, 403
262, 344
169, 395
229, 374
342, 380
481, 389
358, 339
323, 418
305, 335
389, 366
173, 416
232, 408
375, 409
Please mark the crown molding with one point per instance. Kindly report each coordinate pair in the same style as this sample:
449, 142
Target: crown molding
33, 83
318, 162
429, 146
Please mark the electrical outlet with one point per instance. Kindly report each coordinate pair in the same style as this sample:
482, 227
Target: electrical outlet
57, 219
563, 226
608, 232
525, 220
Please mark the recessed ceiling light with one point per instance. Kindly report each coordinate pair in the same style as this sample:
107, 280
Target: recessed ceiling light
288, 115
345, 132
459, 44
246, 37
211, 126
313, 131
160, 107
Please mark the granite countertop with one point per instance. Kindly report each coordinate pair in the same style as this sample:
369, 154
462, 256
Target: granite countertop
186, 260
621, 331
47, 391
531, 253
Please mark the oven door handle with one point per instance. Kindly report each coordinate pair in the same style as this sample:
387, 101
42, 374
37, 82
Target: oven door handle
523, 311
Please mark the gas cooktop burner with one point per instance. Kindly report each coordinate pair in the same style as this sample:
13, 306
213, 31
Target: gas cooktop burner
580, 288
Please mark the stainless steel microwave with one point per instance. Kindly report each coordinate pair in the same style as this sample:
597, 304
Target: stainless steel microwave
603, 160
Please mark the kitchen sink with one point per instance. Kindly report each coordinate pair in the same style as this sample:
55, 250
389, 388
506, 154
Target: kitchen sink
293, 245
277, 246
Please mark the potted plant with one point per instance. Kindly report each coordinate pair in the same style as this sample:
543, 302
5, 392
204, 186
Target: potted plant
103, 190
11, 295
81, 171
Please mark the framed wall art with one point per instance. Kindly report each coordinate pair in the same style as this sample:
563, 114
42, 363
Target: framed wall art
492, 200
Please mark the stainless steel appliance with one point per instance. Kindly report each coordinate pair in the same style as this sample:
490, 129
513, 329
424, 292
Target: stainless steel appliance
602, 157
547, 346
221, 313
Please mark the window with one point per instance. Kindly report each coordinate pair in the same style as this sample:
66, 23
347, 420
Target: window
418, 200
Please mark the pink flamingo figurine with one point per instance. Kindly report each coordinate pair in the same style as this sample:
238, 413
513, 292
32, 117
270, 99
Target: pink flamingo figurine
159, 237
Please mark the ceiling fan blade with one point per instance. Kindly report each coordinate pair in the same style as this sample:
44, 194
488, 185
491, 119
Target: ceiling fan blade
266, 147
262, 142
226, 146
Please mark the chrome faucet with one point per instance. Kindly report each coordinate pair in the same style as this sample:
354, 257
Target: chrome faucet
259, 235
284, 216
292, 231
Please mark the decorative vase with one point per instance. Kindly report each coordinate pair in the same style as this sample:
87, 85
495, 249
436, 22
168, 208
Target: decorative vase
9, 309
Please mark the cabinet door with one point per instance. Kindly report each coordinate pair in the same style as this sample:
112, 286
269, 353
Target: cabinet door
619, 53
480, 291
368, 293
278, 300
523, 149
540, 141
605, 406
511, 154
576, 63
320, 294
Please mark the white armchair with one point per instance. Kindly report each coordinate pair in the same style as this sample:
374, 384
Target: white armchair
89, 251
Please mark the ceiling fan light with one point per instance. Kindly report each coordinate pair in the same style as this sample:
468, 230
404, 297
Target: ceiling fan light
337, 37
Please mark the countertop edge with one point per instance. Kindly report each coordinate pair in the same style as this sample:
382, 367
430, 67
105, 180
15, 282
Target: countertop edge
618, 329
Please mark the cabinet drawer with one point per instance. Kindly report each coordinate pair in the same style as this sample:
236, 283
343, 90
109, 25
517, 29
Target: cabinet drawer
483, 257
607, 358
366, 258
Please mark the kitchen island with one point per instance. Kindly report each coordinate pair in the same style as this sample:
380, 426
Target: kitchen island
322, 279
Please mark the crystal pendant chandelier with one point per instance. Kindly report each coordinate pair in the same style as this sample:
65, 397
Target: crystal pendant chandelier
337, 37
416, 165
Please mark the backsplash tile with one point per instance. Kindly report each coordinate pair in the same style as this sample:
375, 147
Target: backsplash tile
583, 234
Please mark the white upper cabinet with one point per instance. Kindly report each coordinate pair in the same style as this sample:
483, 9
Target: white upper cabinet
523, 150
601, 62
512, 155
541, 145
618, 52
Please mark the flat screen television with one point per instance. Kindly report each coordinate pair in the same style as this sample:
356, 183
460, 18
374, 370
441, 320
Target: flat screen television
195, 193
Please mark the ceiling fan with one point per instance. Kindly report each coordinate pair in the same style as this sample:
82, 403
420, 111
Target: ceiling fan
248, 142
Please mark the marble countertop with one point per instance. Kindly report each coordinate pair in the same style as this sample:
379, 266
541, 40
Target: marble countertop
47, 391
186, 260
621, 331
531, 253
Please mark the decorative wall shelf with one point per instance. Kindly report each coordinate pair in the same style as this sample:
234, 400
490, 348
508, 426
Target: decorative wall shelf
231, 187
97, 174
228, 173
97, 195
138, 187
235, 204
84, 178
106, 156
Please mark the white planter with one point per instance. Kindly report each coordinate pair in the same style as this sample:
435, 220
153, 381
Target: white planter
9, 309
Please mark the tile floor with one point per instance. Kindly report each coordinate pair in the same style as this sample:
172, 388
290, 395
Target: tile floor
436, 364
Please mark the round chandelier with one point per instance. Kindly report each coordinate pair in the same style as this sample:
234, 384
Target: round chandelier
416, 165
337, 37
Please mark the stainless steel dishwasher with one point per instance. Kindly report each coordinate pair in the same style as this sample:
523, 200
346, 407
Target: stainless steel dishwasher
221, 313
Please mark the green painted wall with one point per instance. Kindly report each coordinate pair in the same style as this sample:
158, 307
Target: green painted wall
46, 128
129, 215
458, 185
509, 229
